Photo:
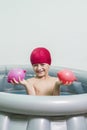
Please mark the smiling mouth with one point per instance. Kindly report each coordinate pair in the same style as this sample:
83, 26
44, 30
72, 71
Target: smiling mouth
39, 72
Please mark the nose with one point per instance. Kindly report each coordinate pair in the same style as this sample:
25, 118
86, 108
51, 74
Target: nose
39, 66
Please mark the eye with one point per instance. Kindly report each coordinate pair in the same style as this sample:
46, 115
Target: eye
35, 65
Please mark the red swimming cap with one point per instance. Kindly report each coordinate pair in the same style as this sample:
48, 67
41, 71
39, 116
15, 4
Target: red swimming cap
40, 55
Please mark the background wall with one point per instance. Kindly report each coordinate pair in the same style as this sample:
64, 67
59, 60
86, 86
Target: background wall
59, 25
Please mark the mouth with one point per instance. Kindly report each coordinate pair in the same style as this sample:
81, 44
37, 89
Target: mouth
40, 71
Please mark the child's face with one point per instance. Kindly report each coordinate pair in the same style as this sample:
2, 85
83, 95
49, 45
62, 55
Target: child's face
41, 70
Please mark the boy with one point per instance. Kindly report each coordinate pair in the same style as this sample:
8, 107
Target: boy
42, 83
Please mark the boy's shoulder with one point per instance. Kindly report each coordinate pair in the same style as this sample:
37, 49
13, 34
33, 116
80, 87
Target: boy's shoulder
30, 79
53, 78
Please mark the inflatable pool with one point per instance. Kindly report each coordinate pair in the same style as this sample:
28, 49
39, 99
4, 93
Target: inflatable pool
21, 111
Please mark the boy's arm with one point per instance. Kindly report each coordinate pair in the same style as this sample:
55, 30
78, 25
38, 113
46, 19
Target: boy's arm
56, 90
29, 89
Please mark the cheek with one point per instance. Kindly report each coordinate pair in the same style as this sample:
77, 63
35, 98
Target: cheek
47, 68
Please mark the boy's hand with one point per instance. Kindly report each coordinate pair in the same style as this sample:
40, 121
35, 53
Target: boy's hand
15, 82
67, 83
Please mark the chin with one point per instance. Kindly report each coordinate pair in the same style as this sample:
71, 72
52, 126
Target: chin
40, 75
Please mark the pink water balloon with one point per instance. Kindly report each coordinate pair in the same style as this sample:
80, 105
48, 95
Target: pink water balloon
66, 75
16, 73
